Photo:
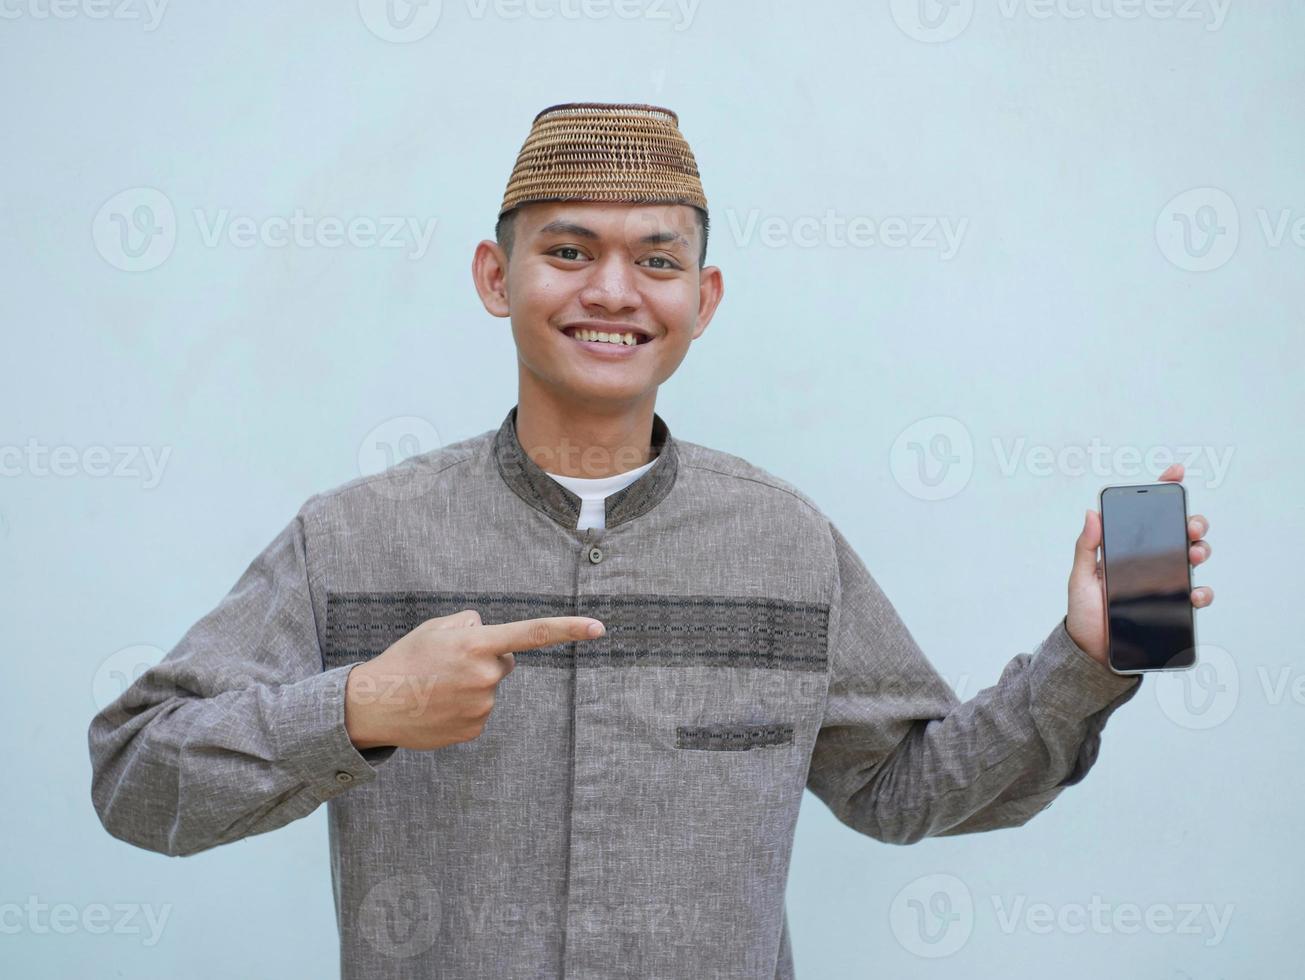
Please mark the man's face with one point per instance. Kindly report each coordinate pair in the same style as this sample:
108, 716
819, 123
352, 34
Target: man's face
609, 268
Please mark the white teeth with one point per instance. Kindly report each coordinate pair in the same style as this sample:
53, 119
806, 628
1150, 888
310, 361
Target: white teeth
628, 339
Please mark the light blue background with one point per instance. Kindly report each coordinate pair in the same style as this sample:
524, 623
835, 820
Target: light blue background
1063, 318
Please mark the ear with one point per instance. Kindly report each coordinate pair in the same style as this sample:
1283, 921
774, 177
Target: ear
489, 268
711, 290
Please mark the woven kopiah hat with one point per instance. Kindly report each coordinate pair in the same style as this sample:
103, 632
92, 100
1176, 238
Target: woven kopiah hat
622, 152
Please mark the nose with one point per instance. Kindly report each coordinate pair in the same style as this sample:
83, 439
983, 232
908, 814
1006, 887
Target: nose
611, 285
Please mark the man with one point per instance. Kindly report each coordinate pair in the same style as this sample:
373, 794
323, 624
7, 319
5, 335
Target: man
511, 795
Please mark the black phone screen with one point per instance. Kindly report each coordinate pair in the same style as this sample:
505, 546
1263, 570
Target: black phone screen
1148, 579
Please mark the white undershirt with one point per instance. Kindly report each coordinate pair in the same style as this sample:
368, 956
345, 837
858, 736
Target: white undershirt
593, 493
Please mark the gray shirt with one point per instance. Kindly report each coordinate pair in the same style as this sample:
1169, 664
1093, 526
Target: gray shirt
629, 808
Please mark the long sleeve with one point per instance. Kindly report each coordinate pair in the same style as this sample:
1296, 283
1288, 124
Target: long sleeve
899, 757
238, 730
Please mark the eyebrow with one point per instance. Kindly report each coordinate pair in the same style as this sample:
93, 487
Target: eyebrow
560, 227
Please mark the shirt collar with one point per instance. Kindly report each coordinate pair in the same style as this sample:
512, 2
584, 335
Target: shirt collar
531, 483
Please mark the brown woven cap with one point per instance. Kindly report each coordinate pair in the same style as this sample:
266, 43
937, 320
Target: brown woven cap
623, 152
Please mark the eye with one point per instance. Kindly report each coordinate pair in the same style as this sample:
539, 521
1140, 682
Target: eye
566, 248
670, 264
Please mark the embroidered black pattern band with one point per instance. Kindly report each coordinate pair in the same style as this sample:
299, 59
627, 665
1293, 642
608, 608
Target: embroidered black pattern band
642, 631
730, 738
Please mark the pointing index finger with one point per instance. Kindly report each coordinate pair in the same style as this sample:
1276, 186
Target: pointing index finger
529, 634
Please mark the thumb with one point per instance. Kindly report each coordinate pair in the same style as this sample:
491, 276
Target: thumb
1085, 548
459, 620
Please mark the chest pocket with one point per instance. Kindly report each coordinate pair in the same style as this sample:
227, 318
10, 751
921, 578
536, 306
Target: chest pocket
732, 738
702, 674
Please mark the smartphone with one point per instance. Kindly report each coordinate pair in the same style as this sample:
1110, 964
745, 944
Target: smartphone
1147, 578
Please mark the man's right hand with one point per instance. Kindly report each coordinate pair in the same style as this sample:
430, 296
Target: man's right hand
435, 686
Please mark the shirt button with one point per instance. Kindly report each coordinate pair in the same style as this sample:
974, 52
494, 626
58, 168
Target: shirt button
595, 555
343, 777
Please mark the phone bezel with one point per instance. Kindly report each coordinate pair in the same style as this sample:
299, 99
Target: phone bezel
1105, 595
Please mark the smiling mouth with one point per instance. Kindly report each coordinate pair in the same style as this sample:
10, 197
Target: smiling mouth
616, 339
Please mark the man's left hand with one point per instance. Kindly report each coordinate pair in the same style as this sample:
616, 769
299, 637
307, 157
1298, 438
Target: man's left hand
1086, 619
